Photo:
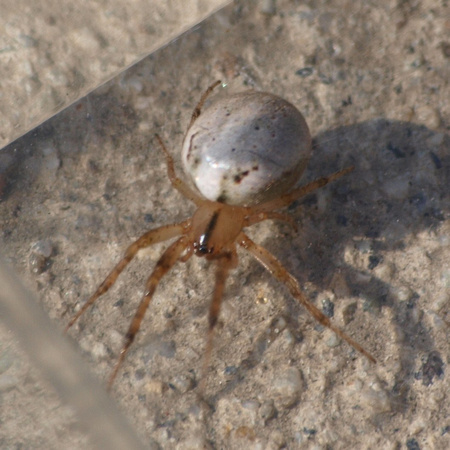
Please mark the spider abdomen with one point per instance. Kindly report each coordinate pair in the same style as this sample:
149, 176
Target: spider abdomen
247, 148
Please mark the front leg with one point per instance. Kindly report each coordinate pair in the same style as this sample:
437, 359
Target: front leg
165, 263
151, 237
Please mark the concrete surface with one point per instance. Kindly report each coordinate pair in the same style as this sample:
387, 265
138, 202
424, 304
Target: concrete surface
373, 83
55, 52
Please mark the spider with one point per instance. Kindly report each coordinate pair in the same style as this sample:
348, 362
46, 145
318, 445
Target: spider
242, 133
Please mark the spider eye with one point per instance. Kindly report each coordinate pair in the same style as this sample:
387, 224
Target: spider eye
203, 250
201, 247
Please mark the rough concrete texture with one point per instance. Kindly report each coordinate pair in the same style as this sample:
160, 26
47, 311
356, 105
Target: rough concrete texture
372, 80
54, 52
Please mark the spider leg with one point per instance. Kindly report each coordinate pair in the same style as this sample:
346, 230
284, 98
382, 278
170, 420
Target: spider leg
165, 263
178, 183
287, 199
265, 258
224, 264
198, 108
149, 238
267, 215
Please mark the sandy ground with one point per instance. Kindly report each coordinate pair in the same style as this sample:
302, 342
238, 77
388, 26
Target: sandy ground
373, 248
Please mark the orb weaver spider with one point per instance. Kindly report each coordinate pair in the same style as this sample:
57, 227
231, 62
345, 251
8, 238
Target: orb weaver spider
245, 130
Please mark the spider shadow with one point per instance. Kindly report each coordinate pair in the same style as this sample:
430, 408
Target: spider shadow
397, 190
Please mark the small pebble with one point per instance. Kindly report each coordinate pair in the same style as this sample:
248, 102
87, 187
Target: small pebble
278, 325
267, 410
39, 256
268, 7
364, 246
194, 443
251, 405
348, 313
428, 116
417, 426
276, 440
376, 399
98, 351
157, 345
305, 72
182, 383
412, 444
432, 369
401, 293
333, 340
245, 432
287, 388
154, 387
328, 307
